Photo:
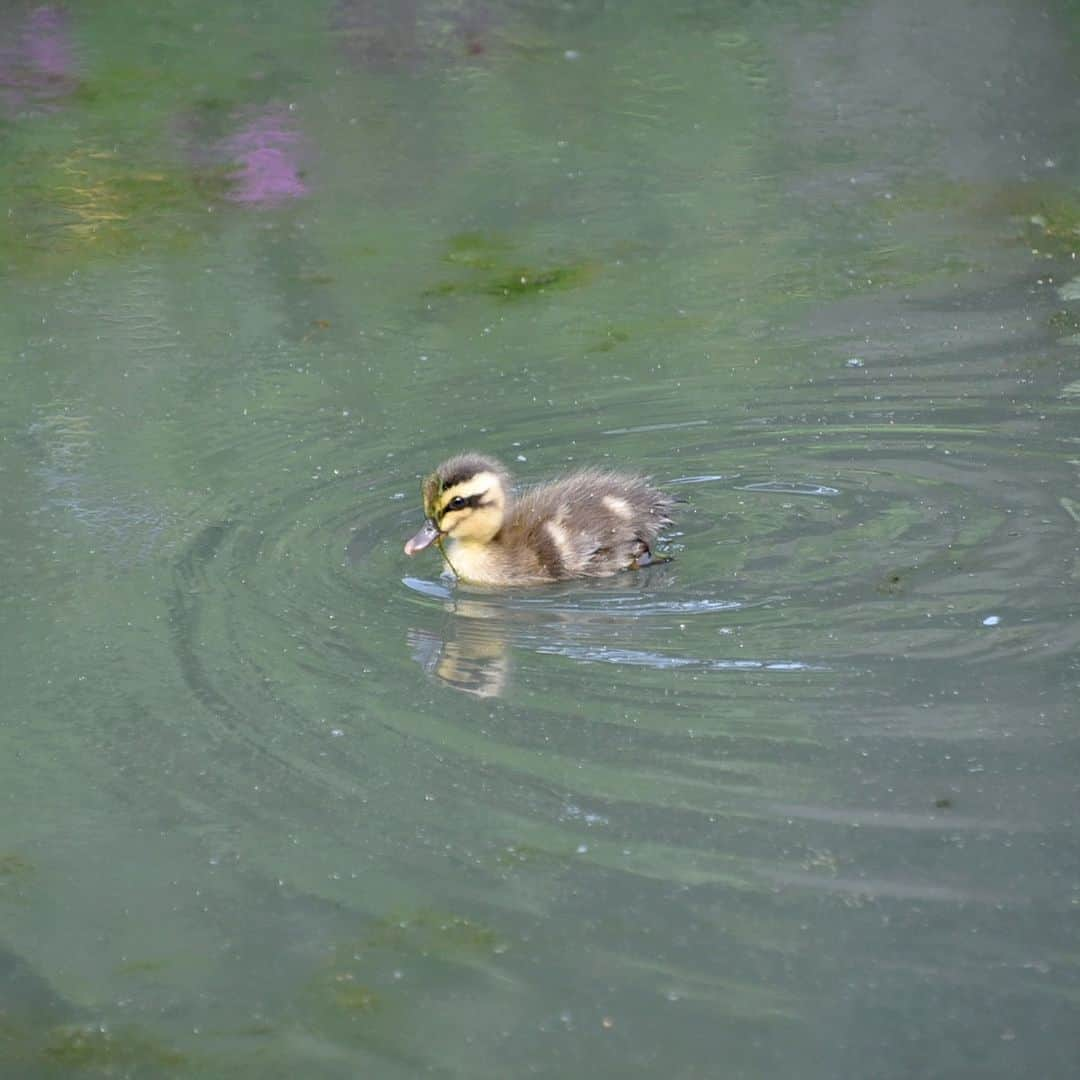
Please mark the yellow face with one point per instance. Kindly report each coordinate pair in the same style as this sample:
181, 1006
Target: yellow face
470, 511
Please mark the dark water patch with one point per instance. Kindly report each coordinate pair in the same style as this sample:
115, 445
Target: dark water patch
26, 997
515, 283
82, 1048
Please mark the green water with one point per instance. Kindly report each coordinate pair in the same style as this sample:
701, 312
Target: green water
278, 801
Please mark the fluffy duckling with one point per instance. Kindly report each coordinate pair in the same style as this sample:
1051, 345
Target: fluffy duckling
589, 523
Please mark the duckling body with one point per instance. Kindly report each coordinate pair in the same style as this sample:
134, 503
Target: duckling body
588, 523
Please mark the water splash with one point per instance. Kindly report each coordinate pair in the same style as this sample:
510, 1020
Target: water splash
786, 487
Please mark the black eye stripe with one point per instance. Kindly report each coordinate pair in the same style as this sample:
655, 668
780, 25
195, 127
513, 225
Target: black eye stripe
470, 501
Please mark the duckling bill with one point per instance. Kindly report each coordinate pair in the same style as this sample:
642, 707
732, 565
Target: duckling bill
588, 523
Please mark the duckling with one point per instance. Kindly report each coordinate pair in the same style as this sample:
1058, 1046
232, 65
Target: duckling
589, 523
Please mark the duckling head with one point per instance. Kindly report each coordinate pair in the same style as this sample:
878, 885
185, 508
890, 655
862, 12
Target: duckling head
465, 500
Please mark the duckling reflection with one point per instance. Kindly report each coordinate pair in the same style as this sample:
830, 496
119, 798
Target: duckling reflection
471, 650
475, 661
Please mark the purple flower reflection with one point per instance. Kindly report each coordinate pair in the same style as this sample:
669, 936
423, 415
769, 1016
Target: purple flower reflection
46, 42
36, 61
266, 150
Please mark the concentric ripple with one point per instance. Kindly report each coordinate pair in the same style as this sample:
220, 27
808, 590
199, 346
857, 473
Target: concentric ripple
870, 544
738, 720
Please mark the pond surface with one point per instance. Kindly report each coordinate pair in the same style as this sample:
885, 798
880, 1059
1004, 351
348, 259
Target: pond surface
800, 802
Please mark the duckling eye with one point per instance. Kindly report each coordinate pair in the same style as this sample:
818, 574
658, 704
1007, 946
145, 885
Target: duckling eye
456, 503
